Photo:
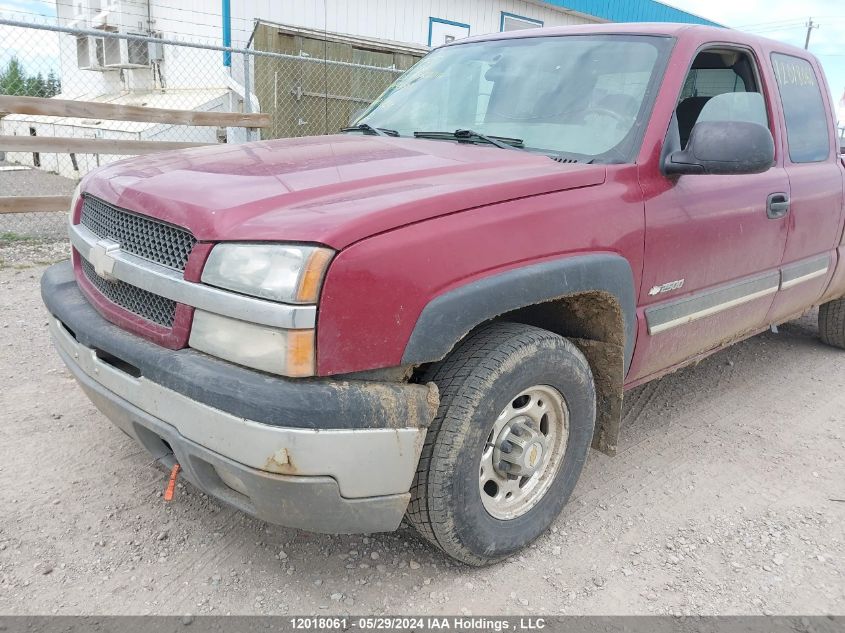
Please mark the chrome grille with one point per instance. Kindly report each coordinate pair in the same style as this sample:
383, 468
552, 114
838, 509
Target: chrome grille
145, 304
137, 234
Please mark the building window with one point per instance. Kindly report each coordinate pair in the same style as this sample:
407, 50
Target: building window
442, 31
513, 22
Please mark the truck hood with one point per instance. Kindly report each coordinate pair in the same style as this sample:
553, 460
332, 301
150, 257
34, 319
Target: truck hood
333, 190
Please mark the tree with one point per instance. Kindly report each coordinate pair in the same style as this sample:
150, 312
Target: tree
15, 81
54, 86
34, 85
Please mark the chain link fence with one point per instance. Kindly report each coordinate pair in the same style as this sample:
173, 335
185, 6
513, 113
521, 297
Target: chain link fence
307, 86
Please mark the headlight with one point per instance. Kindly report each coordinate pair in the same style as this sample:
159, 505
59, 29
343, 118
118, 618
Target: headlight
278, 272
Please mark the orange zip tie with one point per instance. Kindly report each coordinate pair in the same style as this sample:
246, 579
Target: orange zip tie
171, 484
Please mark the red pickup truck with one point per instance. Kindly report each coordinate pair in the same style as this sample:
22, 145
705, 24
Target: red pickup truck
433, 315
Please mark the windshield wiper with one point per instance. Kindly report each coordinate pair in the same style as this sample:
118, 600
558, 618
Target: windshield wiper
366, 128
502, 142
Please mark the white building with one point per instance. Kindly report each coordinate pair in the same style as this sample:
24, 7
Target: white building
416, 23
141, 73
420, 22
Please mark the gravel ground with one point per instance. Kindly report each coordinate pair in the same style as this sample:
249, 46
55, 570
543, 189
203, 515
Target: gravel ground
32, 226
21, 254
727, 497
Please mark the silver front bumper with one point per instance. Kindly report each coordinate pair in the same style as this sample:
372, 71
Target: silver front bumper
326, 480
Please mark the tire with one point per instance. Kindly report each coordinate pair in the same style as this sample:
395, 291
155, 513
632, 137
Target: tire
832, 323
479, 383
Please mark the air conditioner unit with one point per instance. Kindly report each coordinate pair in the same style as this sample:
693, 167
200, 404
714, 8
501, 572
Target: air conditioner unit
122, 53
90, 53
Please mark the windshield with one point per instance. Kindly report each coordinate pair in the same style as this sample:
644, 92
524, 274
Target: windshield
581, 96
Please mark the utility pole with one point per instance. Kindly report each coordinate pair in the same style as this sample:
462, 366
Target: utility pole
810, 26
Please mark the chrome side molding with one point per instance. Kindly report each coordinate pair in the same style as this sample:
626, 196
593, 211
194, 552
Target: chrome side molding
798, 273
698, 306
712, 301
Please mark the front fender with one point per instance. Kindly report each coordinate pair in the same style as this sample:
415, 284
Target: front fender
449, 317
524, 250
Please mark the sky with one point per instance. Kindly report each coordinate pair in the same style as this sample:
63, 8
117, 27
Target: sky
785, 20
37, 50
777, 19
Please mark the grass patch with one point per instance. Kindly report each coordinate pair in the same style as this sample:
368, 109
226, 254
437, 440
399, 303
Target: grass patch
11, 236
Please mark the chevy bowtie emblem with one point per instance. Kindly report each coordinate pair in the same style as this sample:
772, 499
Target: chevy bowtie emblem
102, 259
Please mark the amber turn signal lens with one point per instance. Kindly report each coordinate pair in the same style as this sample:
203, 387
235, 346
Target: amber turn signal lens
312, 276
300, 353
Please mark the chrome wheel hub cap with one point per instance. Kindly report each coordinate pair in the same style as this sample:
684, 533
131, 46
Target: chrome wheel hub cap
524, 452
519, 449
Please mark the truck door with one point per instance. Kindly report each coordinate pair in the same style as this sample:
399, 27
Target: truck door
712, 247
815, 212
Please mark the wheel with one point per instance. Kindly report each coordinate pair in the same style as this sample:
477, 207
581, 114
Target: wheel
832, 322
503, 454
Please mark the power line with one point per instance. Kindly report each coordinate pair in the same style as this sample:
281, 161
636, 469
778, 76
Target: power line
780, 29
247, 22
217, 16
785, 25
773, 23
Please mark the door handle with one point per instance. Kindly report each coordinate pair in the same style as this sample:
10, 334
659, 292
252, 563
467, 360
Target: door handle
777, 205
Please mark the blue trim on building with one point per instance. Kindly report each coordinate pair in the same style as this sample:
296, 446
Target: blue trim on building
227, 31
432, 20
505, 14
631, 11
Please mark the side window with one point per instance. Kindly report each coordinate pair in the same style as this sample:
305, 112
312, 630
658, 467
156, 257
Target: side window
806, 120
715, 75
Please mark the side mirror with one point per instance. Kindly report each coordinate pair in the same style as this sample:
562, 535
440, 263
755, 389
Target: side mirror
724, 147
